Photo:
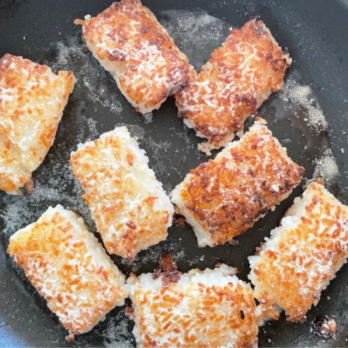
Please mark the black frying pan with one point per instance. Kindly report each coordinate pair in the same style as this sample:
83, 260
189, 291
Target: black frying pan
316, 34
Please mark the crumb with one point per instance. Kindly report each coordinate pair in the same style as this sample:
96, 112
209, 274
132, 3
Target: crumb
29, 186
234, 242
70, 338
325, 327
169, 270
180, 220
156, 274
129, 311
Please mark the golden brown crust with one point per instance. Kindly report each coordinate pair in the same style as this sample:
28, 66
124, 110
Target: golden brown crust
234, 83
227, 195
293, 272
13, 174
149, 66
130, 208
192, 314
58, 263
32, 99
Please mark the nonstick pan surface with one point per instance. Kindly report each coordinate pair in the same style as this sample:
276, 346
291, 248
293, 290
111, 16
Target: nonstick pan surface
316, 34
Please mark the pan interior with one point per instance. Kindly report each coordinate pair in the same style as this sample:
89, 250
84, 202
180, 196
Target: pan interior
315, 89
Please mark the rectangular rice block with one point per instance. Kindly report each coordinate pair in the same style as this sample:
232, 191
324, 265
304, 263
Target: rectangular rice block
301, 257
128, 204
212, 308
235, 82
134, 47
32, 100
69, 267
224, 197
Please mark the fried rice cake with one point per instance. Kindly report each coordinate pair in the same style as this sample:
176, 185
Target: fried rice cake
224, 197
303, 255
128, 204
235, 82
32, 100
208, 309
135, 48
68, 266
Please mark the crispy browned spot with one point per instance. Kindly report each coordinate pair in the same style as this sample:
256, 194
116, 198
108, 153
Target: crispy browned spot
293, 274
234, 83
227, 195
55, 262
129, 35
32, 99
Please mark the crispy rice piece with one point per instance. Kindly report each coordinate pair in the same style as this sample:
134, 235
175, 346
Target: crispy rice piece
128, 204
212, 308
32, 100
224, 197
69, 268
135, 48
239, 77
303, 254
